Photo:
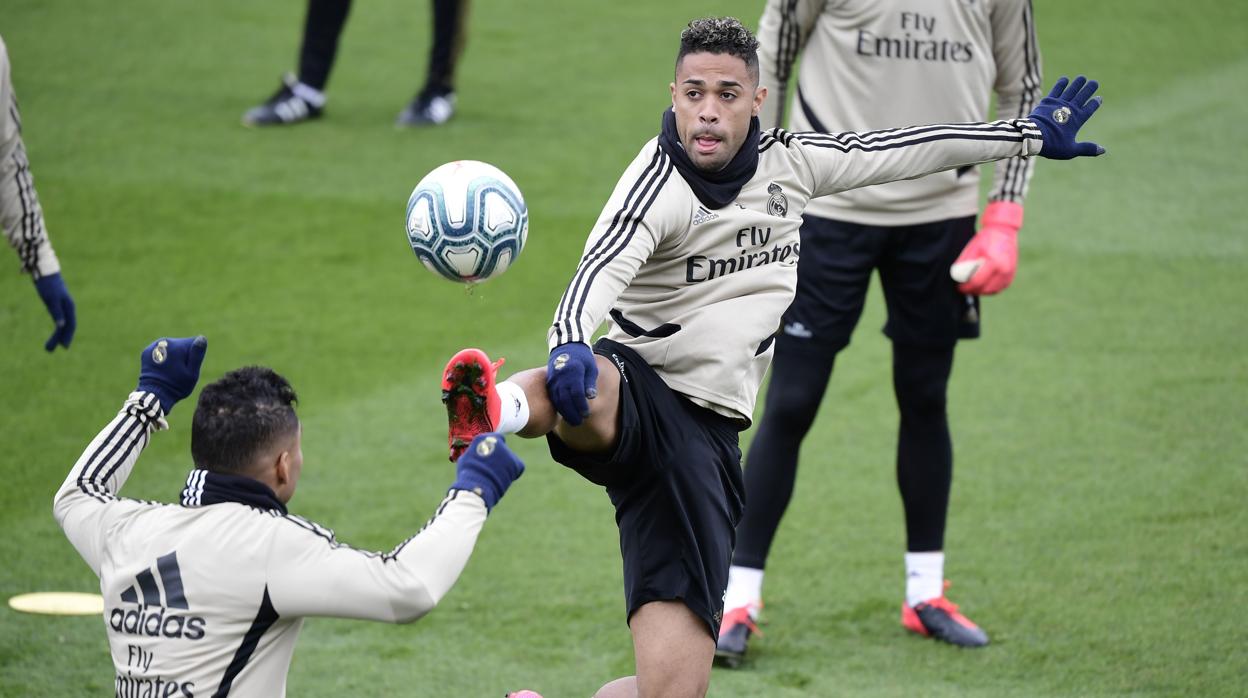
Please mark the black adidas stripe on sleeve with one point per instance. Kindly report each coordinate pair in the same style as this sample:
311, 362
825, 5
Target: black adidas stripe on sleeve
615, 239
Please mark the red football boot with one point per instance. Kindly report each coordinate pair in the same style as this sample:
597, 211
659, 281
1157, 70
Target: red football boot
939, 618
472, 403
734, 634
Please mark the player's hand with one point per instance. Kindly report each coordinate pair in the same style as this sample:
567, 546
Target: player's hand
169, 368
1060, 115
60, 306
988, 262
488, 468
572, 380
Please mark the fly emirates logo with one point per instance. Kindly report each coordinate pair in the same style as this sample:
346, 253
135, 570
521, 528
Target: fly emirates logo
917, 40
754, 249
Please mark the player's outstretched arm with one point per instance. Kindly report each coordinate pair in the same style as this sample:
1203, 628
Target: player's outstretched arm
843, 161
22, 220
21, 217
169, 369
55, 296
1060, 116
310, 574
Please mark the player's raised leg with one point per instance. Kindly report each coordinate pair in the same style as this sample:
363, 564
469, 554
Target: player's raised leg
476, 403
472, 401
669, 640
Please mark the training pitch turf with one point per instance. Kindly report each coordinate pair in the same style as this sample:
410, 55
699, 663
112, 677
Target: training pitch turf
1097, 524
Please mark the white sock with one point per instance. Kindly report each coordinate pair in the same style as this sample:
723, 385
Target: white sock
745, 588
925, 576
515, 404
309, 94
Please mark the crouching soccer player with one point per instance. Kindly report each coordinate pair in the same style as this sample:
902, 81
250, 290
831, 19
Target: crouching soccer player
207, 597
694, 260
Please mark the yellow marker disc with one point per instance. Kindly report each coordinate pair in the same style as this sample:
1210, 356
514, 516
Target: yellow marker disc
59, 603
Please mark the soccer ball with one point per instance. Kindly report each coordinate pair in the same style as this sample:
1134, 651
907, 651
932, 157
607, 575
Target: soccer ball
467, 221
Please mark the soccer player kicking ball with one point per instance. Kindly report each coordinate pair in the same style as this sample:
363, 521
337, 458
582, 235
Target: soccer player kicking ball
207, 597
694, 260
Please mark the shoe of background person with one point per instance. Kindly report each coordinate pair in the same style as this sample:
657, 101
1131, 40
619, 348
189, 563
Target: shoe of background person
428, 109
939, 618
472, 403
284, 107
734, 635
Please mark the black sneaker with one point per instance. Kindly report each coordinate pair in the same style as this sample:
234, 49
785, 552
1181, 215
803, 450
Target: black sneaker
734, 635
284, 107
428, 109
939, 618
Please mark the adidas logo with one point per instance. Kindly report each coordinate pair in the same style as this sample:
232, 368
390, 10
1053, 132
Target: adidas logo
149, 616
797, 329
703, 215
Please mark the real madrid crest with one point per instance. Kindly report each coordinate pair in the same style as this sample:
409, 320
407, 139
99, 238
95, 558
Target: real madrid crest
161, 351
777, 203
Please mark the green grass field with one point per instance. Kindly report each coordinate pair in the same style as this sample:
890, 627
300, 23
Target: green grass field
1097, 528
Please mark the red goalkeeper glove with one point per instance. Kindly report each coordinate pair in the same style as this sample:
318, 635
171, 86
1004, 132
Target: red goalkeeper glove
988, 262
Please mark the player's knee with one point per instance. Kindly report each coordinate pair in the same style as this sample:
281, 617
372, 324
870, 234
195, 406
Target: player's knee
798, 382
625, 687
673, 650
791, 407
921, 379
674, 680
921, 397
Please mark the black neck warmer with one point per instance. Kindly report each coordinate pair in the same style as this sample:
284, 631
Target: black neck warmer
713, 189
204, 487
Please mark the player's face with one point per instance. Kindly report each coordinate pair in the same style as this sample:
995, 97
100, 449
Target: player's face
714, 97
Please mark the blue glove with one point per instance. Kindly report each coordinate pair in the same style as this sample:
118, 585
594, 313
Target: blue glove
170, 368
572, 380
488, 468
61, 307
1060, 115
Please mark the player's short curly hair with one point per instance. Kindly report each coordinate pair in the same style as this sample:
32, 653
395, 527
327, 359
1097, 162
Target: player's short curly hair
722, 35
239, 414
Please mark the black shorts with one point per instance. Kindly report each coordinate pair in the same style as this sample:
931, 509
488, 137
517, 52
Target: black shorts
924, 305
675, 480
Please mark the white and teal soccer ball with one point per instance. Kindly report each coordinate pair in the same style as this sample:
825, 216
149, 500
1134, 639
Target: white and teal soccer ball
467, 221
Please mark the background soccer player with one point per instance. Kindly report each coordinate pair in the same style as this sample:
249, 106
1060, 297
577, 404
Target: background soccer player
208, 597
21, 216
302, 96
694, 260
887, 63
